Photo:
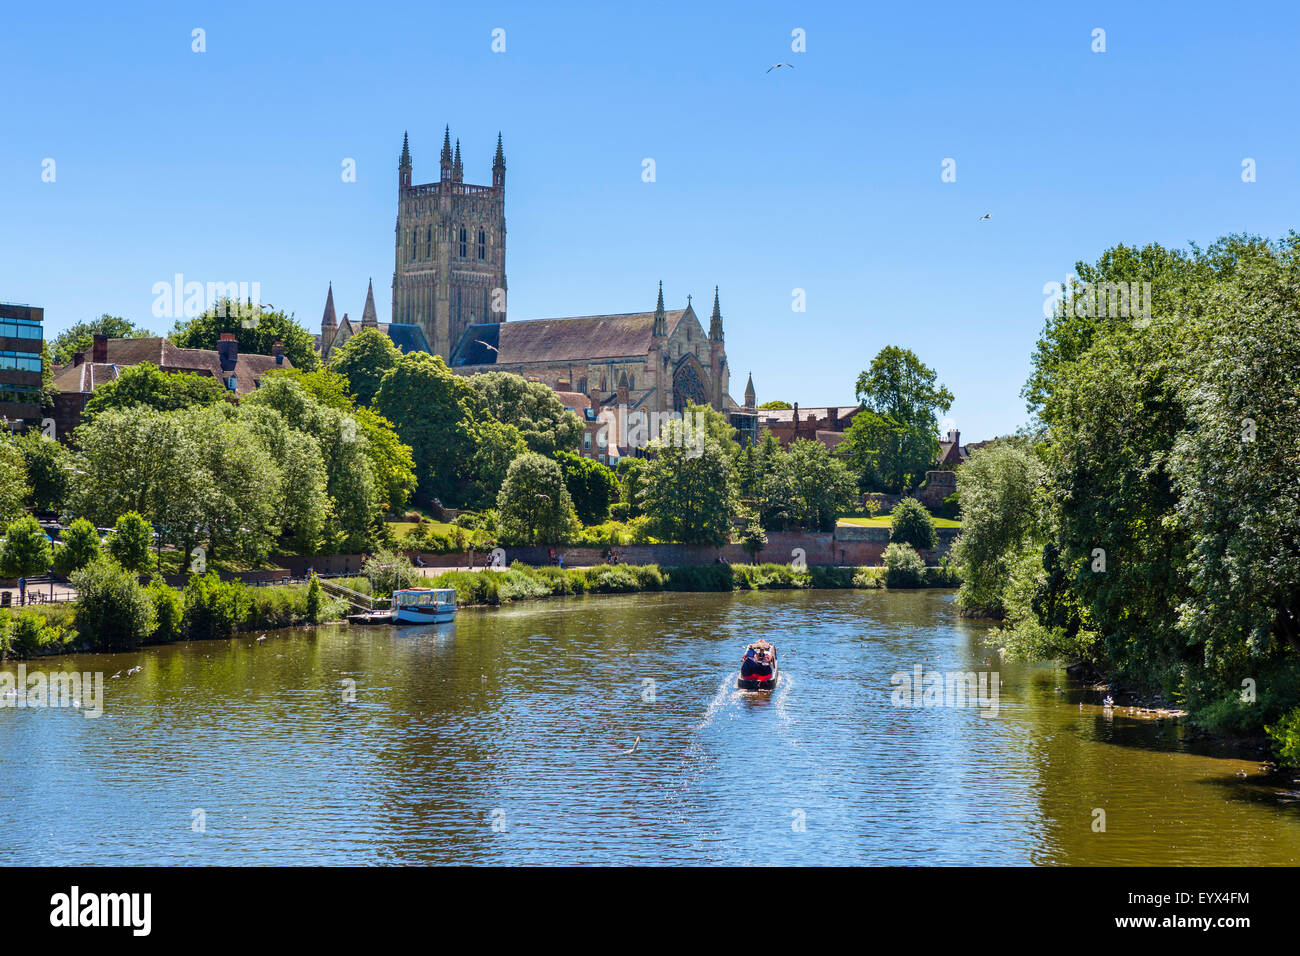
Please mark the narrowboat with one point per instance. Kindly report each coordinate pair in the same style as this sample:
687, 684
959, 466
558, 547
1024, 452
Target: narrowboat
758, 668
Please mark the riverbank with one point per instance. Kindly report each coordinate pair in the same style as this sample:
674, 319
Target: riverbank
230, 608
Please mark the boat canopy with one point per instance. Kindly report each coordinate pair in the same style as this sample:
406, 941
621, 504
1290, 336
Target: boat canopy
425, 596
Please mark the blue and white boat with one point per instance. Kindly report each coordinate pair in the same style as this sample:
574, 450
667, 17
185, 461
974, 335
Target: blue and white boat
424, 605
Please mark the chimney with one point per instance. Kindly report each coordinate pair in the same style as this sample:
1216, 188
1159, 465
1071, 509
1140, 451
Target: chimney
228, 351
278, 351
954, 436
99, 352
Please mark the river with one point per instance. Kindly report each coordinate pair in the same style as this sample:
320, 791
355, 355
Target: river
503, 738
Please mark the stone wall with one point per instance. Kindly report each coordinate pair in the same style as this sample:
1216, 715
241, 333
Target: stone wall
849, 545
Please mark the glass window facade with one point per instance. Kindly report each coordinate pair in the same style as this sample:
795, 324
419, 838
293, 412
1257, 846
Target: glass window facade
20, 361
20, 329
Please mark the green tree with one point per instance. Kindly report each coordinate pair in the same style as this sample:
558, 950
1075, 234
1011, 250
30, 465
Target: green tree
354, 504
824, 486
893, 439
390, 459
534, 505
256, 328
81, 337
145, 461
495, 446
1000, 486
14, 490
688, 491
592, 486
431, 407
148, 386
48, 466
26, 550
79, 547
753, 539
531, 407
130, 542
910, 523
631, 473
776, 405
364, 360
1171, 524
113, 609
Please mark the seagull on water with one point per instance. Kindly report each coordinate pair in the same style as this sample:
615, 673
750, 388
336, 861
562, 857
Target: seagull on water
634, 745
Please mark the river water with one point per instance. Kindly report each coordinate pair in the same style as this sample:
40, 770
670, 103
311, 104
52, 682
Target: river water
503, 738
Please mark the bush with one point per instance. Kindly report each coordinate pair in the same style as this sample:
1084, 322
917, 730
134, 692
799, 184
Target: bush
869, 578
1286, 739
389, 571
45, 629
79, 547
911, 524
313, 604
700, 577
214, 608
903, 567
946, 575
274, 607
611, 534
169, 612
130, 542
113, 610
26, 550
612, 579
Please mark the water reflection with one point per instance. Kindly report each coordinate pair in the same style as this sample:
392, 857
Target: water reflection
503, 738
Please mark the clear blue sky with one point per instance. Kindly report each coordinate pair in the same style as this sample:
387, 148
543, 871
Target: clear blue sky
226, 165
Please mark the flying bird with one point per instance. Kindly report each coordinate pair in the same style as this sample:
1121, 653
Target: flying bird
634, 745
987, 215
492, 347
777, 66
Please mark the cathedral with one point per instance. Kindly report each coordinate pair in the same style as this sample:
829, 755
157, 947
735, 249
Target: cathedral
449, 299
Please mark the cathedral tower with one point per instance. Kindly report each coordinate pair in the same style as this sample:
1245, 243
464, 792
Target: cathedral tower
450, 259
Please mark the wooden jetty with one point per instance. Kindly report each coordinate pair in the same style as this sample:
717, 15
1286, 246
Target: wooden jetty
373, 617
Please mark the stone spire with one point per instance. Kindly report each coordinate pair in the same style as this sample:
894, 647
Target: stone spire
457, 170
369, 319
749, 392
715, 321
499, 166
328, 324
404, 164
661, 320
444, 162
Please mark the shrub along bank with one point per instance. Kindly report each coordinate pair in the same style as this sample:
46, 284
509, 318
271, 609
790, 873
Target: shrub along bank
116, 612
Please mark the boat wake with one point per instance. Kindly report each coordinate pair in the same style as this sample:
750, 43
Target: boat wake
727, 693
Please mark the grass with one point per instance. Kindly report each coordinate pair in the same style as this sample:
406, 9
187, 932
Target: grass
882, 521
400, 528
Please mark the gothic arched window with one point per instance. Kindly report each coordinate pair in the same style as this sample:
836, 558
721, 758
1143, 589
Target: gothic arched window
413, 232
482, 244
464, 244
428, 242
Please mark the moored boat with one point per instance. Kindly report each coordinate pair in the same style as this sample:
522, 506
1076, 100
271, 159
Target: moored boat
758, 668
424, 605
